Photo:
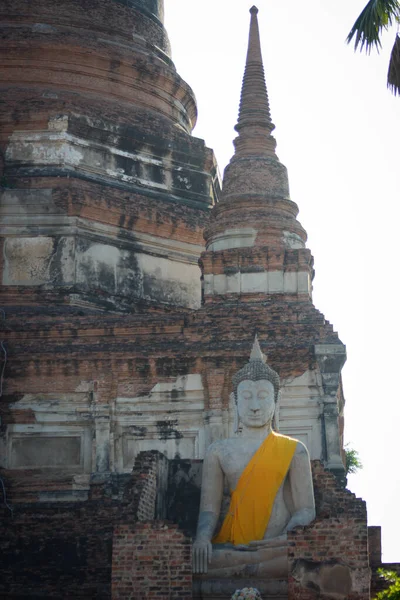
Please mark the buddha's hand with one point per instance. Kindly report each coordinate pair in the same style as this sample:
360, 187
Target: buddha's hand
202, 553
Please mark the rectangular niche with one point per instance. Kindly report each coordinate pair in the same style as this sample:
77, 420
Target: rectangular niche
46, 451
49, 447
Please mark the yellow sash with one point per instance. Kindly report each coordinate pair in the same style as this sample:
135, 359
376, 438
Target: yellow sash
252, 500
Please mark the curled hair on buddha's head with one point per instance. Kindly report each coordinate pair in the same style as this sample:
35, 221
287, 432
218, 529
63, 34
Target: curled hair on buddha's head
255, 370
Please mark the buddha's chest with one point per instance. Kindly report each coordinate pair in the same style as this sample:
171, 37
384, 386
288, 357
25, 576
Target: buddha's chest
235, 460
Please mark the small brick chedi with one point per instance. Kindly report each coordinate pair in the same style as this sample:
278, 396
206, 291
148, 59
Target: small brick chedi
132, 288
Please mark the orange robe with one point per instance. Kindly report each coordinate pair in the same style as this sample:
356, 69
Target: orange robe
252, 500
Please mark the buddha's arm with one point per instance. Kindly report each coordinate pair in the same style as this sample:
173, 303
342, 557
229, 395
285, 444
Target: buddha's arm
301, 485
210, 506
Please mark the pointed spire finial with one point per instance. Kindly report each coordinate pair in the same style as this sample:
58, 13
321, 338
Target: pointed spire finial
256, 353
254, 123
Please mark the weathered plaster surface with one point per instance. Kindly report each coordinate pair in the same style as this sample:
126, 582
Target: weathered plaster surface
233, 238
265, 282
39, 260
170, 419
56, 147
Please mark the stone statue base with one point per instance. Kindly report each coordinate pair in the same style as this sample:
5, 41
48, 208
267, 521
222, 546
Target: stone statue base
218, 589
264, 568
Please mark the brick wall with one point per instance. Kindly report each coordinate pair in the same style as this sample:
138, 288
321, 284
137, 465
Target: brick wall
151, 560
64, 550
330, 557
375, 546
149, 476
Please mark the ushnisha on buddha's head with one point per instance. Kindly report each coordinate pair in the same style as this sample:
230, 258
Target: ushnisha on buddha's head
256, 390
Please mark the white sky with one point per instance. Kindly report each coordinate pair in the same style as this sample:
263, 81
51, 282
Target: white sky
338, 133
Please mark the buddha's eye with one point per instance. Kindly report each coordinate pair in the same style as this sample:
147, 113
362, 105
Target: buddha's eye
246, 395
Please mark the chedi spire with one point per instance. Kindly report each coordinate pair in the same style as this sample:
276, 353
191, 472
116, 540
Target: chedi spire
255, 244
254, 123
255, 208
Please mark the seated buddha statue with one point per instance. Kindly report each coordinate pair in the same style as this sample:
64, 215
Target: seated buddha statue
269, 477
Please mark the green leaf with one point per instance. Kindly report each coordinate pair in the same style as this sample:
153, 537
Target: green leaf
353, 462
392, 592
393, 78
376, 16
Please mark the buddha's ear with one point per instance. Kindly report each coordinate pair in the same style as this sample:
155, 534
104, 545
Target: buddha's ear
235, 412
275, 418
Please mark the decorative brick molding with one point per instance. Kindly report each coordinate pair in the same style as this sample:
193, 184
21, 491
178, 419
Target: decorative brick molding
329, 558
151, 560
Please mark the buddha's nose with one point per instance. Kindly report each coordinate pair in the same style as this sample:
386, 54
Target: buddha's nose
255, 407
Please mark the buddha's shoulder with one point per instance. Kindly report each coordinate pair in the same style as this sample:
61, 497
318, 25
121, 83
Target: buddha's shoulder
300, 447
223, 446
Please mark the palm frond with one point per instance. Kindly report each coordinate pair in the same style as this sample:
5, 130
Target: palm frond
393, 78
376, 16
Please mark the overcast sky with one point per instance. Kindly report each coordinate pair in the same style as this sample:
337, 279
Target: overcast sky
338, 133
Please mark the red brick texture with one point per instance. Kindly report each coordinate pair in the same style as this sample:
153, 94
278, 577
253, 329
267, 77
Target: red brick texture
151, 560
337, 540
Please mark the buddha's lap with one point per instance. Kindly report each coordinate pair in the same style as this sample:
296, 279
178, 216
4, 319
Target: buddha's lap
226, 557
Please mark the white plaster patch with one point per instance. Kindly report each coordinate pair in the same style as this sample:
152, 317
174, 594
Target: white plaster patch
208, 285
290, 282
170, 281
99, 263
15, 204
61, 436
265, 282
58, 123
220, 284
43, 28
253, 283
67, 260
169, 419
189, 387
49, 447
304, 282
275, 282
233, 238
45, 451
292, 240
300, 411
61, 408
27, 260
233, 283
45, 148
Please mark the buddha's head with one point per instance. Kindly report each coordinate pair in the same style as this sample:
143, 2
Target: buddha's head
256, 390
255, 402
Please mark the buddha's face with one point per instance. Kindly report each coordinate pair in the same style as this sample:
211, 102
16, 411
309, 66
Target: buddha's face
256, 404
